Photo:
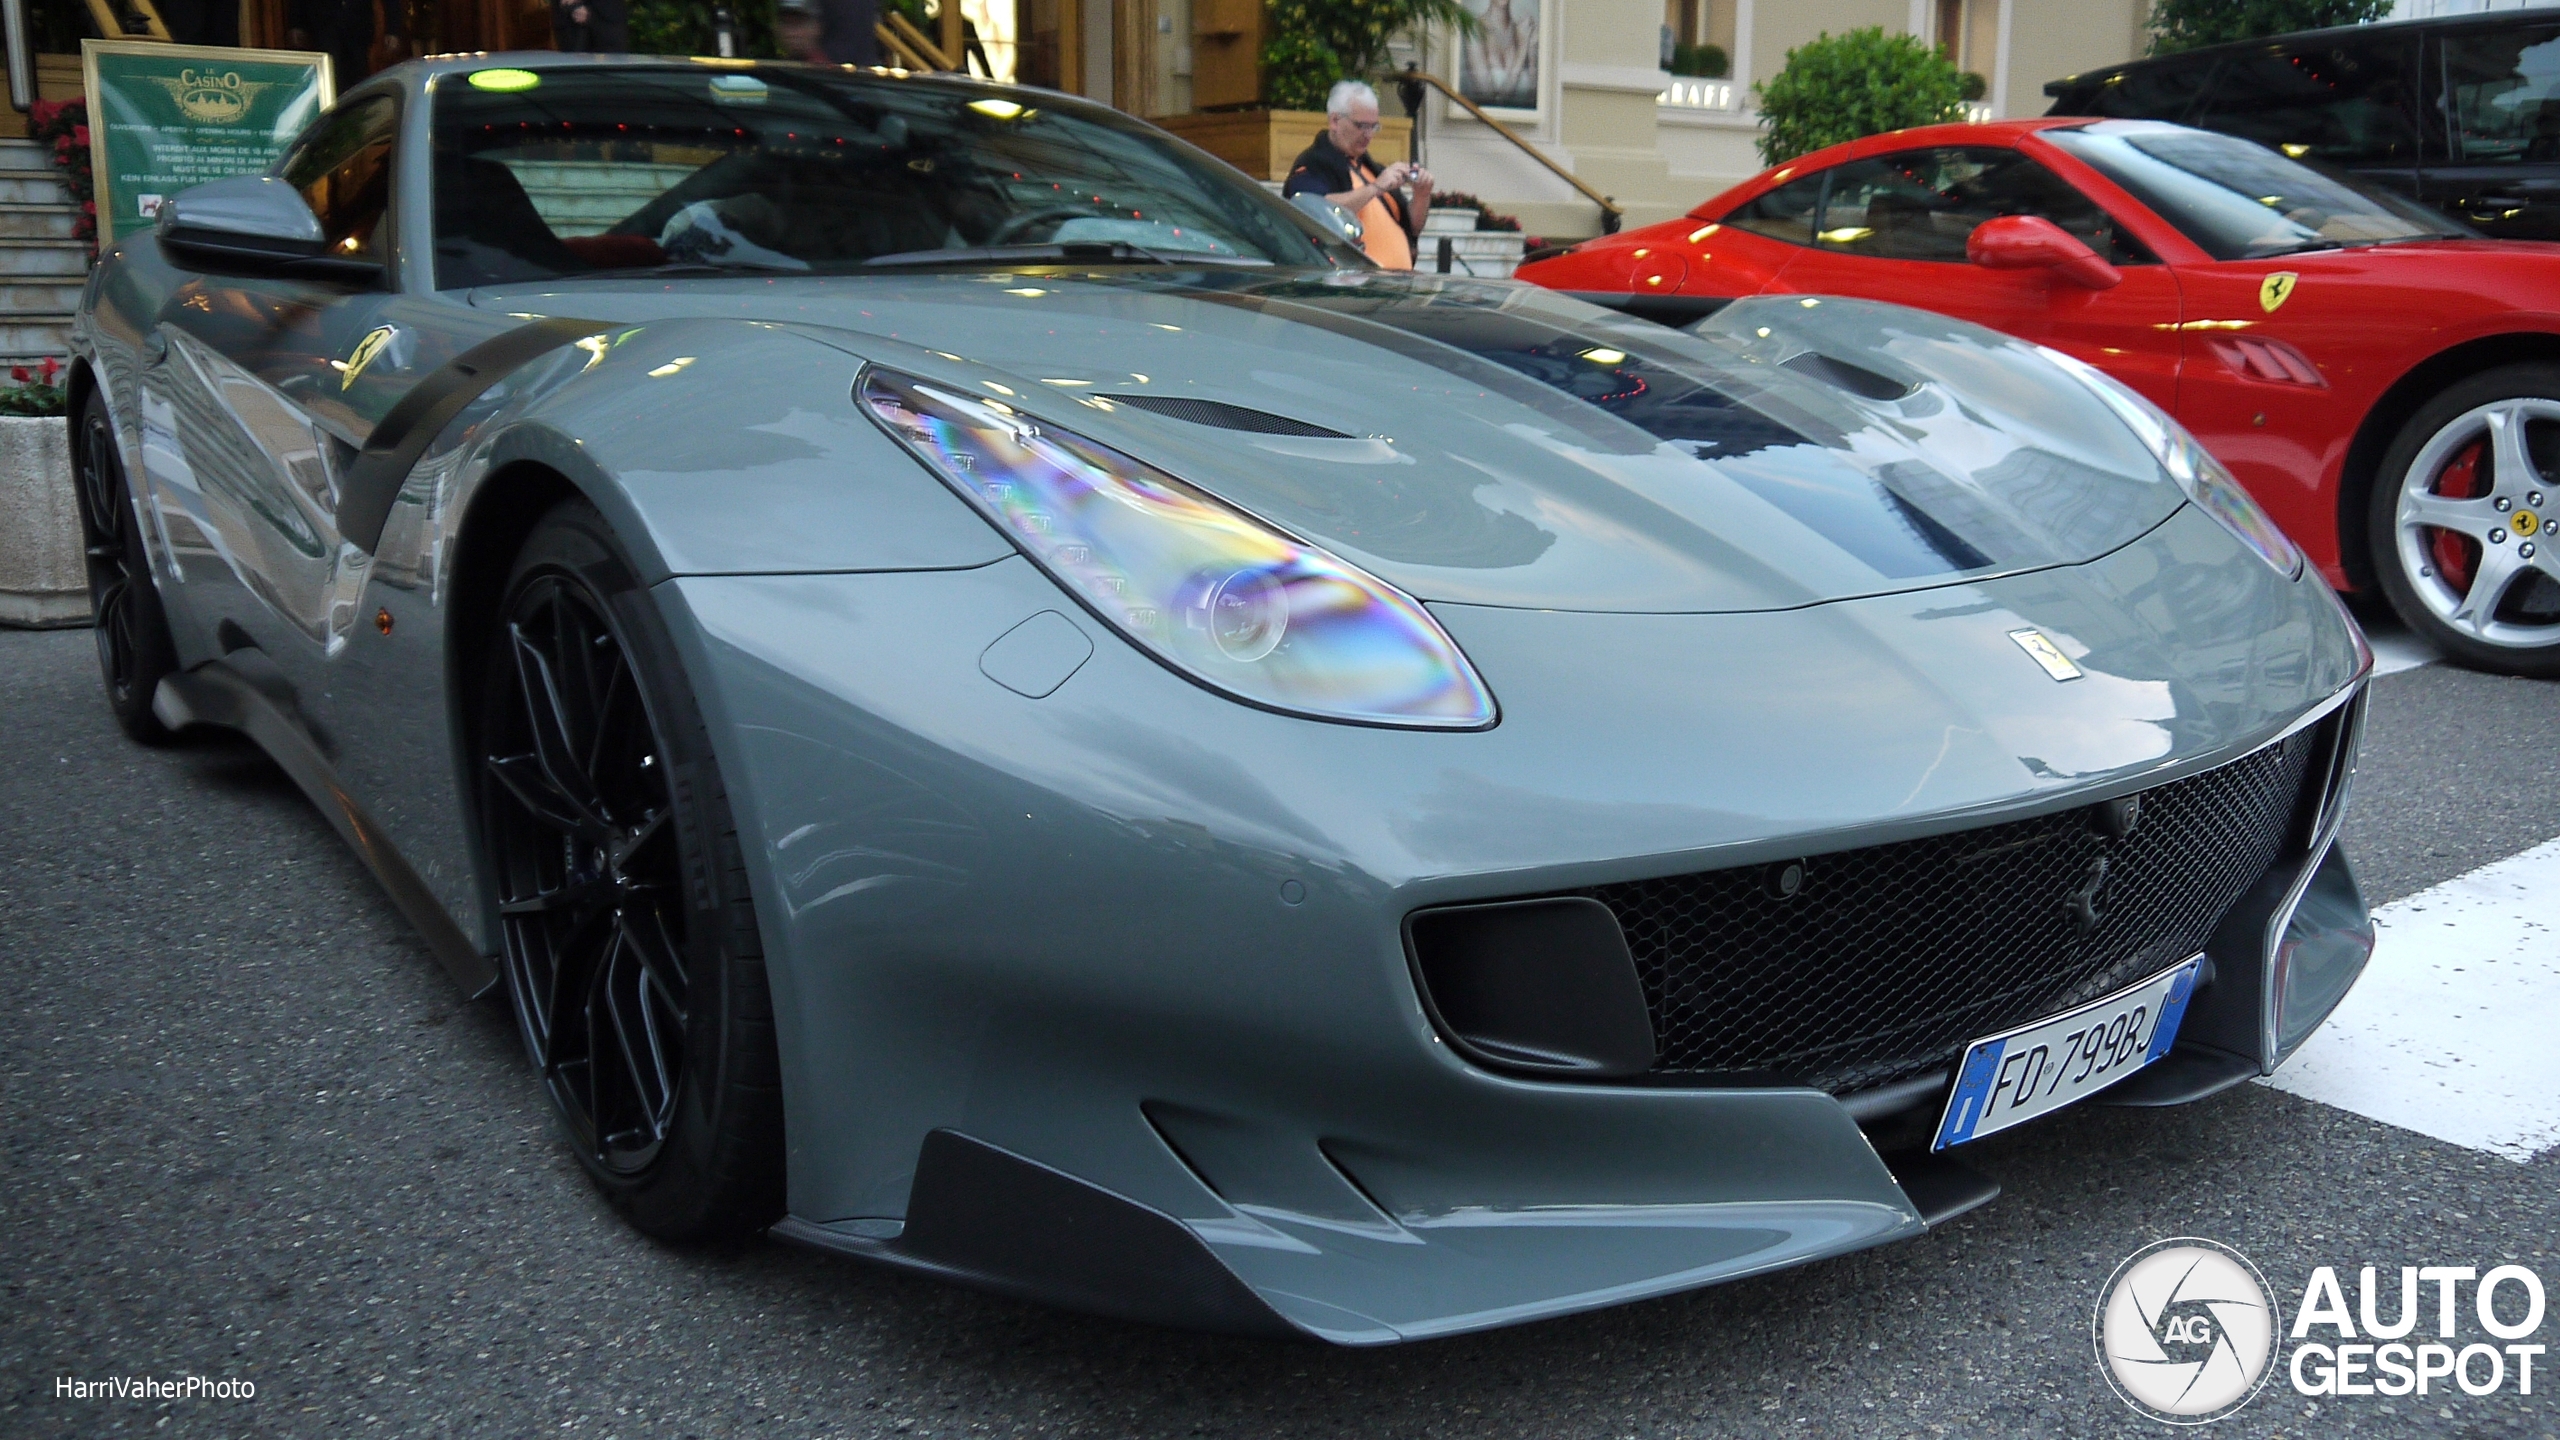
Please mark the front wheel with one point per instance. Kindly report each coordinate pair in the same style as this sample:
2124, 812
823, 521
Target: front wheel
2461, 518
134, 649
631, 949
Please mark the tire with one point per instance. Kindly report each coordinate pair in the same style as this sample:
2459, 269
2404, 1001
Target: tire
630, 947
134, 649
2460, 537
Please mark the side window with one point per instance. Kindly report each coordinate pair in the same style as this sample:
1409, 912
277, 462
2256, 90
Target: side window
1785, 213
2338, 104
1924, 205
342, 166
2504, 88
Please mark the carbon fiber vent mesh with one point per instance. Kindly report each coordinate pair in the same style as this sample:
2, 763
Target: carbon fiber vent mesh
1224, 416
1889, 960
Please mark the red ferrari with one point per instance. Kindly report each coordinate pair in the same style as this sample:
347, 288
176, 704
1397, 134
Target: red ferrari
2385, 382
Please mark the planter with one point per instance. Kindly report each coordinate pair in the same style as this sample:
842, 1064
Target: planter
44, 579
1485, 254
1445, 221
1262, 143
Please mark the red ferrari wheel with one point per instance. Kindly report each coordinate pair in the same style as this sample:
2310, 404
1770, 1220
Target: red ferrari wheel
2461, 520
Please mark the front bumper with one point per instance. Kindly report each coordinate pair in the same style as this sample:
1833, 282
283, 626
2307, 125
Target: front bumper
1134, 952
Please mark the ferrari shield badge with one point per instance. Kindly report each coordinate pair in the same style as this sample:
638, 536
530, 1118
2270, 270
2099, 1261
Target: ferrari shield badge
2045, 653
2275, 290
366, 349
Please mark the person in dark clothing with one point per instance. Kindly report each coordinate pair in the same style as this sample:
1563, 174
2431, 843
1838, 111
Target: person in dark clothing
852, 35
1339, 168
343, 29
600, 27
201, 22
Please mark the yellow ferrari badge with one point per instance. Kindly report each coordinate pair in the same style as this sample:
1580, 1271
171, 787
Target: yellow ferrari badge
366, 348
2275, 290
2045, 653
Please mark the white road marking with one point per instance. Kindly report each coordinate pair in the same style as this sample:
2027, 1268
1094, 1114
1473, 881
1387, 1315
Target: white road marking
2395, 650
2449, 1031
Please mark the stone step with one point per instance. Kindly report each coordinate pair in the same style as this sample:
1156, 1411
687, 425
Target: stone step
35, 222
24, 188
16, 155
45, 259
27, 338
42, 296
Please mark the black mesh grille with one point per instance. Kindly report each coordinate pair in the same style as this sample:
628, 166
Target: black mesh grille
1225, 416
1888, 960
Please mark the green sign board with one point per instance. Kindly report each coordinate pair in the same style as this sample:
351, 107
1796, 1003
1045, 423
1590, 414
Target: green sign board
164, 117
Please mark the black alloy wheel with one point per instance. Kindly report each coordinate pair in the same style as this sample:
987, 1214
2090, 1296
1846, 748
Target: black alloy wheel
134, 649
631, 951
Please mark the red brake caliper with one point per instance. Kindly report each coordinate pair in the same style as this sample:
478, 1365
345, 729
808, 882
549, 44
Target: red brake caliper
2457, 556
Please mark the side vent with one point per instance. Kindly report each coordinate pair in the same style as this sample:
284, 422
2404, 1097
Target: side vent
1222, 416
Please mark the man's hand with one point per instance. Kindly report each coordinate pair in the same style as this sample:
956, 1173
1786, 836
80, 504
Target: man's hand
1422, 182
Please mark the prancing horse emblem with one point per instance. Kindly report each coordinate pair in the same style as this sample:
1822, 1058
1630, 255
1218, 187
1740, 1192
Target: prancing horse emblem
2082, 903
2044, 652
2275, 290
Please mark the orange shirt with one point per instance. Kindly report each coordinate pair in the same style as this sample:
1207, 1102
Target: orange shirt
1382, 235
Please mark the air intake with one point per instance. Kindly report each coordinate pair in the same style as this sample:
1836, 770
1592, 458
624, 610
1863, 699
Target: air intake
1220, 415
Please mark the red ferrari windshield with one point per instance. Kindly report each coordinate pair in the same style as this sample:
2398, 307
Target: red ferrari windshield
2239, 200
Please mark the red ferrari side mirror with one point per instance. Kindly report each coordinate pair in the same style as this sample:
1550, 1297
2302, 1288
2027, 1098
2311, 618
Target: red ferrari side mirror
2031, 242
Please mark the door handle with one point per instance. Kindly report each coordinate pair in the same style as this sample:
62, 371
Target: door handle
155, 346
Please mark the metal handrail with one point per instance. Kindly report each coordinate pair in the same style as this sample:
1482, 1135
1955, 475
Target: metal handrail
899, 52
913, 41
1611, 212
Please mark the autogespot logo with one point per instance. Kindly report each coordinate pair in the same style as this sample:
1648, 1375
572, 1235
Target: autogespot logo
2186, 1330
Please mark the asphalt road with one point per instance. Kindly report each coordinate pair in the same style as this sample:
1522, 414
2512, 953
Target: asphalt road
248, 1131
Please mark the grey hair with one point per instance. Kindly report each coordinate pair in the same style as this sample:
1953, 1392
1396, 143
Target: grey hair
1339, 99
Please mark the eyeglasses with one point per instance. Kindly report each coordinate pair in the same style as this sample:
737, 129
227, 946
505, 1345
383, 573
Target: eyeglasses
1365, 127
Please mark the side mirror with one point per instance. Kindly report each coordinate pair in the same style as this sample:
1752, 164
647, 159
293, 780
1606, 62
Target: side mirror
253, 225
2031, 242
1334, 219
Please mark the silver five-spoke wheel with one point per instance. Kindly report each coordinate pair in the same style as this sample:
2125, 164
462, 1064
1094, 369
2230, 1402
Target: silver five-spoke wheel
2462, 520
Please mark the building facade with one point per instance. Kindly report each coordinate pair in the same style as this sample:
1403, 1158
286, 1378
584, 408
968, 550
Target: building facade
1589, 82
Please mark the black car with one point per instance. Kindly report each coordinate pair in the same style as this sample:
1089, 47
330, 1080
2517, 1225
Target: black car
2462, 113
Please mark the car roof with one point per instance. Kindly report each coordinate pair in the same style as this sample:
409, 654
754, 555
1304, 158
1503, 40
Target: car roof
2207, 54
2004, 133
426, 69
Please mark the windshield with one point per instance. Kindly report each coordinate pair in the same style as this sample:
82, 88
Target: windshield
541, 174
2239, 200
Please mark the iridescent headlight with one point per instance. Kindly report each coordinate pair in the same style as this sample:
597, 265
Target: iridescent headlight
1216, 594
2197, 472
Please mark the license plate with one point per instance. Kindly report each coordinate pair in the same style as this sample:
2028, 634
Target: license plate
2016, 1077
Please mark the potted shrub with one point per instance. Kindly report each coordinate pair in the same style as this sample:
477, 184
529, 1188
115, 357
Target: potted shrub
1837, 88
1300, 48
44, 579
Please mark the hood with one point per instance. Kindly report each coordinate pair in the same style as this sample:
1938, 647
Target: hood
1496, 444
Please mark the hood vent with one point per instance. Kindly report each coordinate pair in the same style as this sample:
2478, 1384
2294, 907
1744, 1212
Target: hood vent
1222, 416
1856, 379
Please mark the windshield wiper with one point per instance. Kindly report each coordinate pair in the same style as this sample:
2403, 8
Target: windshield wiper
1072, 250
2296, 248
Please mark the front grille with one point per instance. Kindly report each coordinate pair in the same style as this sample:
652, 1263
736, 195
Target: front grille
1885, 961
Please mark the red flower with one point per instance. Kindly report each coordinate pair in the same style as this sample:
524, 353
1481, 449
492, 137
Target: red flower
51, 368
88, 207
19, 374
80, 136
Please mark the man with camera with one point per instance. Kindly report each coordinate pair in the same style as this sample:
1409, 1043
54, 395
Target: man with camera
1339, 168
